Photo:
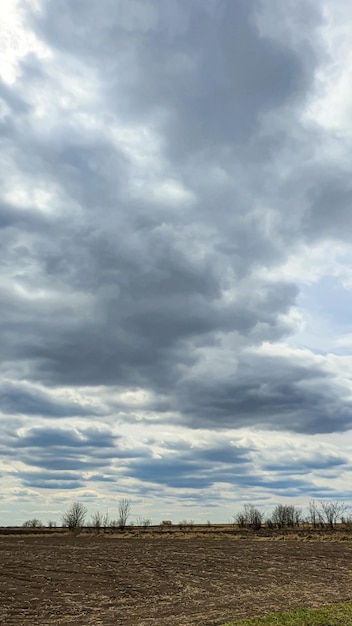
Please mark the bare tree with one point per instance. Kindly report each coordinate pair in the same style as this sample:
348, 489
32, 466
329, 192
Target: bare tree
332, 512
313, 514
75, 516
124, 509
97, 520
240, 519
106, 519
298, 516
269, 523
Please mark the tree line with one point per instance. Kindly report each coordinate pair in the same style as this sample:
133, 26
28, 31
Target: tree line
76, 517
323, 514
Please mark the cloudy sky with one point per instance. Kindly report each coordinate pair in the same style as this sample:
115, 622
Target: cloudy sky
176, 267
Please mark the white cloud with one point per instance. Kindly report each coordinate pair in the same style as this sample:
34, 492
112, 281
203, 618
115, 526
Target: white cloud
16, 40
331, 106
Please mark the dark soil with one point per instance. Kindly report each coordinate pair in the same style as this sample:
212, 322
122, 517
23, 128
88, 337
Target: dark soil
109, 581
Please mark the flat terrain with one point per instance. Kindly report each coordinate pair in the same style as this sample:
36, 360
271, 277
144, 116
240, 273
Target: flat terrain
109, 581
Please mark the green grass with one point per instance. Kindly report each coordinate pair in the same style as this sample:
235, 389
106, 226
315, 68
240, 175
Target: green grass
332, 615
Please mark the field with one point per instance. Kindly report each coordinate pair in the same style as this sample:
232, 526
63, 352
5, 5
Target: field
154, 580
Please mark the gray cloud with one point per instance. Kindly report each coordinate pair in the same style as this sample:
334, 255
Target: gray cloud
201, 468
52, 480
195, 469
270, 391
319, 461
329, 212
153, 288
158, 172
203, 64
65, 454
17, 399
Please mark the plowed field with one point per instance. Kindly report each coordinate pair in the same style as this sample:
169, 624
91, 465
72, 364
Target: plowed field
47, 580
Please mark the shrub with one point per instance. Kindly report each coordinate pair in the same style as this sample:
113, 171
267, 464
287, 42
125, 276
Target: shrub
250, 517
32, 523
286, 516
144, 522
97, 520
114, 523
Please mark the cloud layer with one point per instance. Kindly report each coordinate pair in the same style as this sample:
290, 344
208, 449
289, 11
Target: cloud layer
174, 227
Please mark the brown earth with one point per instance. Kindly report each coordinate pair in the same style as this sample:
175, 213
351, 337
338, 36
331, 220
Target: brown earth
108, 581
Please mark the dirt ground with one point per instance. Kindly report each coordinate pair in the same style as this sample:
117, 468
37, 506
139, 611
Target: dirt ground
97, 580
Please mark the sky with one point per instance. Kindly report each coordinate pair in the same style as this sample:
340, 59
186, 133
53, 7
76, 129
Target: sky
176, 267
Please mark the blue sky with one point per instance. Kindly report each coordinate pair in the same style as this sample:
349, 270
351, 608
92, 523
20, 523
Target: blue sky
175, 280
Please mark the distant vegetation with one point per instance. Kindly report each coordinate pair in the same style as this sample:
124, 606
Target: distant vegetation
33, 523
320, 515
323, 515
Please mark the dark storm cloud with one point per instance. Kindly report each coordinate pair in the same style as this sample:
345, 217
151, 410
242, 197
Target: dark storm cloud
27, 400
201, 468
50, 462
127, 279
292, 485
319, 462
192, 468
44, 437
142, 338
172, 474
202, 62
52, 480
15, 217
65, 453
268, 391
15, 104
329, 214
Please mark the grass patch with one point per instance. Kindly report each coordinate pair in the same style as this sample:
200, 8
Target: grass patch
332, 615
